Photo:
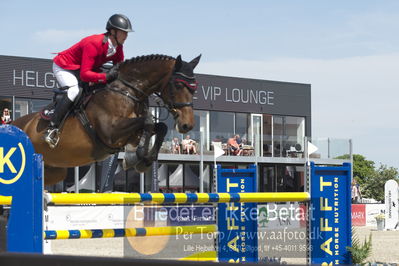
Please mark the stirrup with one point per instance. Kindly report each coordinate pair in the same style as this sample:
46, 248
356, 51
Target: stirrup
52, 137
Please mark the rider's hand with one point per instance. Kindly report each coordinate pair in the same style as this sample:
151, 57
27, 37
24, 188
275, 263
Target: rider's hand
112, 74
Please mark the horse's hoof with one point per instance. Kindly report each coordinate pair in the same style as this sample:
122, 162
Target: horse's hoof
129, 161
140, 152
142, 166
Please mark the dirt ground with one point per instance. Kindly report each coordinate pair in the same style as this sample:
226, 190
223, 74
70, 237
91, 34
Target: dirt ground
385, 246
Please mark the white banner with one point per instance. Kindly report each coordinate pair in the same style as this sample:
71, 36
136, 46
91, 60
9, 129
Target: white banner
391, 205
84, 217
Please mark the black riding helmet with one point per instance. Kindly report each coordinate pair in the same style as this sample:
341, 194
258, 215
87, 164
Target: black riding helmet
119, 22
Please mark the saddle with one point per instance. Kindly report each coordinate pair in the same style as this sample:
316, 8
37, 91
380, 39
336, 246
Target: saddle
78, 110
80, 102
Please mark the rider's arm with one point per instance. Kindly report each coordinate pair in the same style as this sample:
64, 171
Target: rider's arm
90, 52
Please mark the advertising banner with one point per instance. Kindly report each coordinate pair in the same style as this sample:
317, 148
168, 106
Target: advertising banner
237, 222
391, 205
330, 215
358, 214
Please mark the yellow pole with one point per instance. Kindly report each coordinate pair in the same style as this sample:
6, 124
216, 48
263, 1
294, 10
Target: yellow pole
133, 232
131, 198
5, 200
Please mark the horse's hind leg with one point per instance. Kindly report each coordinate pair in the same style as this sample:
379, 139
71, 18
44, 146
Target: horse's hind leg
53, 175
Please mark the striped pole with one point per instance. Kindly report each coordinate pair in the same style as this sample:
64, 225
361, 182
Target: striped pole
172, 198
128, 232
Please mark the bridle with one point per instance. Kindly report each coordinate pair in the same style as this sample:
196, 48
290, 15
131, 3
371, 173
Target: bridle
172, 107
189, 82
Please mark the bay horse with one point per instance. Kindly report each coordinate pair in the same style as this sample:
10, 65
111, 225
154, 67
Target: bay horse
118, 114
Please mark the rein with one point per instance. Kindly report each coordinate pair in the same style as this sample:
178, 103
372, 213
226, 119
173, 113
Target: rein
172, 107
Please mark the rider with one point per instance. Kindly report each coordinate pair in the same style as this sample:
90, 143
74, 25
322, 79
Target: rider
84, 60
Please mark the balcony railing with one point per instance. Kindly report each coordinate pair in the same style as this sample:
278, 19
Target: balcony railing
261, 146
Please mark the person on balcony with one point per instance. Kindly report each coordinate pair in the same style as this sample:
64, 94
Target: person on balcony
176, 146
233, 146
189, 146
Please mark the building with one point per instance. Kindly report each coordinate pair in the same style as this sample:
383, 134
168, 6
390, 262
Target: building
272, 118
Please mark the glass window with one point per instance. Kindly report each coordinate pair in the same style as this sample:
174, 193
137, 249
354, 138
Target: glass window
165, 117
295, 130
242, 125
288, 135
222, 126
290, 178
38, 105
202, 123
21, 108
278, 134
27, 106
267, 135
201, 127
267, 179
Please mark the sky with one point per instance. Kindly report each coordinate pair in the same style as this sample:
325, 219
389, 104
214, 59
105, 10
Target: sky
347, 50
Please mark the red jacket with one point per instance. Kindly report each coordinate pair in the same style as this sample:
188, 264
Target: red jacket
89, 55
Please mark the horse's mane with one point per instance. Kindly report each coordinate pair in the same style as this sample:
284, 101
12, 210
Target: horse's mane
146, 58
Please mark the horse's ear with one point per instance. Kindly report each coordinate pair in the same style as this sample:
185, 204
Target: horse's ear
195, 61
178, 63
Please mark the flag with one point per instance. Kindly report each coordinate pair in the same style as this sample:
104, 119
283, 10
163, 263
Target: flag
311, 148
218, 151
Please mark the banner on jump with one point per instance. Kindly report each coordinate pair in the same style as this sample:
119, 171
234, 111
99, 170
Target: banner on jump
330, 214
237, 222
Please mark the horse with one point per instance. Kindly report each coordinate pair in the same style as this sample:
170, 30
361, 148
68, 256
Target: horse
117, 115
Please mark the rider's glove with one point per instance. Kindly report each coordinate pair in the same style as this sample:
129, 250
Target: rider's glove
112, 74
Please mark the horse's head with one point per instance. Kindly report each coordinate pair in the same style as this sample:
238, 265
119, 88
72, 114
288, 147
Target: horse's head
178, 94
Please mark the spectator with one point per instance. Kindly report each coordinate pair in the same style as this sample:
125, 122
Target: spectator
356, 194
189, 145
176, 146
6, 117
239, 140
233, 146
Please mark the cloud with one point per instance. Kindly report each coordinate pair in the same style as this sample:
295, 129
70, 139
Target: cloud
353, 97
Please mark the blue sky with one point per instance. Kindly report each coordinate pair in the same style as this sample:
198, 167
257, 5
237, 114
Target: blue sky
347, 50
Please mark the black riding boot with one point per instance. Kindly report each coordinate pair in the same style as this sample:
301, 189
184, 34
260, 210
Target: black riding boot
61, 109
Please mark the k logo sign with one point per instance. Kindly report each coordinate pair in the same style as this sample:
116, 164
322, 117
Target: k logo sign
16, 159
12, 163
21, 177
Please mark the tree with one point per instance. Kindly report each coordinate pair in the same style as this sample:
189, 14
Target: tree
370, 179
362, 168
374, 187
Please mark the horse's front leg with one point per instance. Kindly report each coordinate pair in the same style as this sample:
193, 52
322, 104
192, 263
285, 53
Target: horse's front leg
148, 129
160, 130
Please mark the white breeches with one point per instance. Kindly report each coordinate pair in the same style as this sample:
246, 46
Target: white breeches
67, 78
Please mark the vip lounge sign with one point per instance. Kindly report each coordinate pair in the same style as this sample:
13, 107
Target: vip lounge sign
391, 205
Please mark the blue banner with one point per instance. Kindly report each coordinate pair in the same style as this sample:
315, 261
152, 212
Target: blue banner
330, 214
237, 222
21, 176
